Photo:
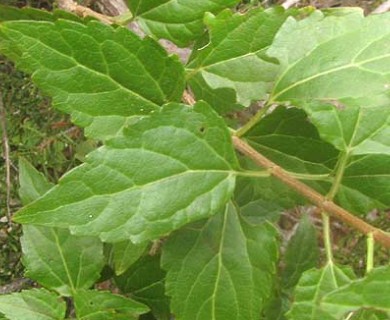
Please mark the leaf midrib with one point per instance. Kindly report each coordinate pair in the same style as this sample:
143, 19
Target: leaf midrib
78, 64
323, 73
272, 99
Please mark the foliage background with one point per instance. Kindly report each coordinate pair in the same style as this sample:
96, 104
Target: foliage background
48, 140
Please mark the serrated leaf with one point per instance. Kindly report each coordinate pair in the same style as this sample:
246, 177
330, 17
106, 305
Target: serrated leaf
291, 141
32, 183
352, 129
61, 261
54, 257
287, 137
99, 305
235, 56
125, 253
8, 13
34, 304
11, 13
178, 21
311, 289
94, 69
145, 281
128, 189
332, 57
223, 100
264, 199
221, 268
365, 184
301, 253
372, 291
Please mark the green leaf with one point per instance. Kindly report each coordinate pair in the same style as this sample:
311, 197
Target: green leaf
144, 281
235, 56
312, 287
352, 129
125, 253
291, 141
263, 198
86, 68
365, 184
221, 268
332, 57
32, 183
301, 253
11, 13
8, 13
98, 305
128, 189
178, 21
54, 257
286, 137
222, 100
34, 304
61, 261
373, 291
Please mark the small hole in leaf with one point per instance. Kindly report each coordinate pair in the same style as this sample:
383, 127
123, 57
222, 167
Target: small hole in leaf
202, 129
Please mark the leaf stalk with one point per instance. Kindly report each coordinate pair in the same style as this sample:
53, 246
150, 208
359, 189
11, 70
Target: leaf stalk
327, 236
370, 252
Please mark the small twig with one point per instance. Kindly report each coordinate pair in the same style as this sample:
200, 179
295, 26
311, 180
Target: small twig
289, 3
318, 199
16, 286
188, 98
384, 7
45, 143
6, 156
71, 6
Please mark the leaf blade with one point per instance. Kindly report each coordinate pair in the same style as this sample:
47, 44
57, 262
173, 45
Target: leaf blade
96, 305
234, 58
61, 261
361, 293
34, 304
340, 50
52, 256
136, 179
178, 21
78, 65
221, 281
311, 289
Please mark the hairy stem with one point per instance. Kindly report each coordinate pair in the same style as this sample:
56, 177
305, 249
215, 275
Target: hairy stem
318, 199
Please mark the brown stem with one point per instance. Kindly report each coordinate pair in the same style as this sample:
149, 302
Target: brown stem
312, 195
71, 6
6, 156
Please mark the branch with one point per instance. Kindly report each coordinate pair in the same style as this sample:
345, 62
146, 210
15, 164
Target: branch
16, 286
318, 199
385, 6
71, 6
289, 3
6, 157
